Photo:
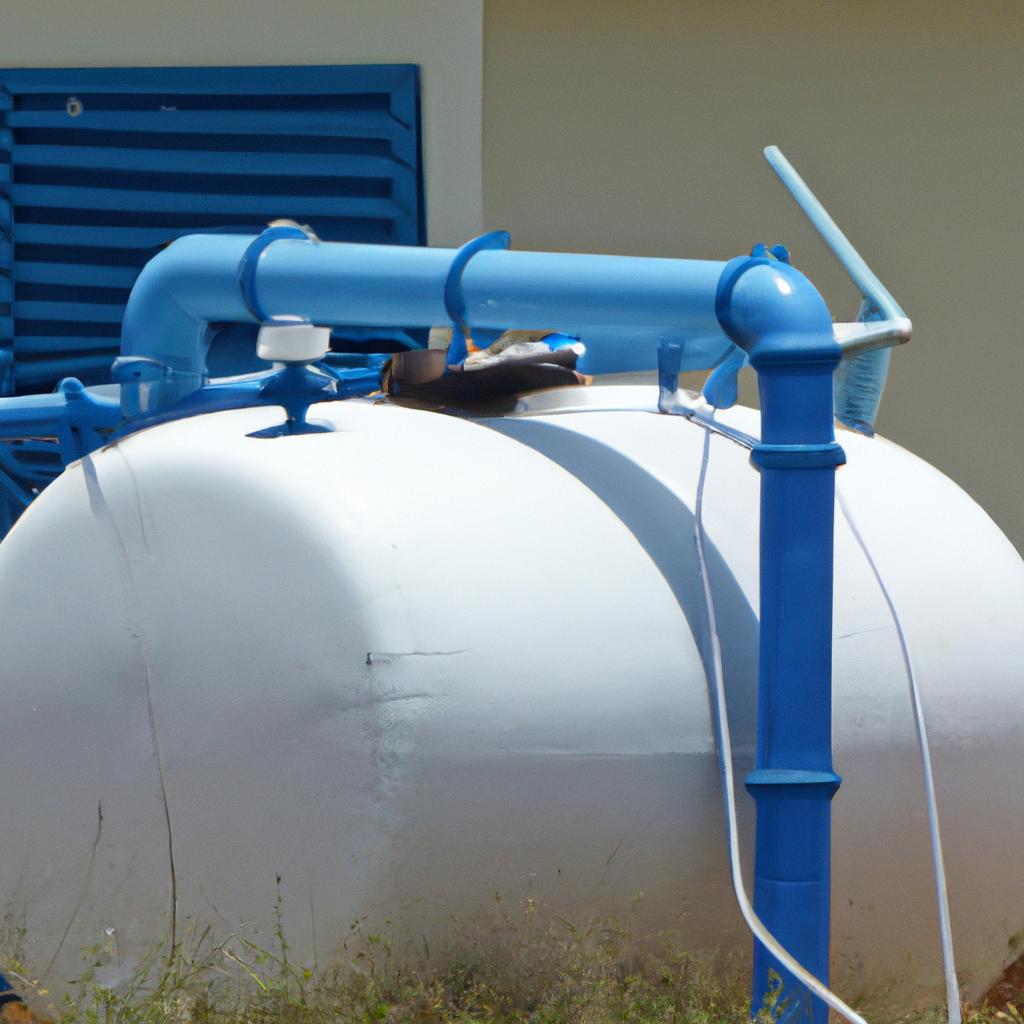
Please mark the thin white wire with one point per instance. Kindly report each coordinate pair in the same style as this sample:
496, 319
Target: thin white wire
754, 923
941, 891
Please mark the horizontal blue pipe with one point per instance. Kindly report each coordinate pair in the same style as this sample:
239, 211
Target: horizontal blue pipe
195, 282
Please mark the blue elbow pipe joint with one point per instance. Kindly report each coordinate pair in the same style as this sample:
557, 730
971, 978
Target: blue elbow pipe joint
774, 314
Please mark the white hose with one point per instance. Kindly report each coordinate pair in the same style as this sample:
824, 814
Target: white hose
754, 923
724, 740
938, 865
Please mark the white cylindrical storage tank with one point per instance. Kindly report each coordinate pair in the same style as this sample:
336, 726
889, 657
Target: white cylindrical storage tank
419, 660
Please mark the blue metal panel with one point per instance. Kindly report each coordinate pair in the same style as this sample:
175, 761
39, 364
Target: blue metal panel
101, 168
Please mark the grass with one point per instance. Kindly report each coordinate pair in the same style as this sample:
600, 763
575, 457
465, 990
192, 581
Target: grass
524, 973
564, 976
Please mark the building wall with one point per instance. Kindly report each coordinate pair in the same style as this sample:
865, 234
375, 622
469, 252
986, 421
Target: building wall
443, 36
638, 128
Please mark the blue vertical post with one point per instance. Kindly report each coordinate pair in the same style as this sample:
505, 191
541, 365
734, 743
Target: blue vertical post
777, 316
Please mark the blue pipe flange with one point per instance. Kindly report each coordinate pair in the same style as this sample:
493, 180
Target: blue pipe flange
454, 301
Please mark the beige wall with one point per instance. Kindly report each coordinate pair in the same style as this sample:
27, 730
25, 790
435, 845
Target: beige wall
637, 127
443, 36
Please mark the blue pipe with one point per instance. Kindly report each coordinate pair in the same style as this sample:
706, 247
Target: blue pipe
194, 282
72, 415
780, 320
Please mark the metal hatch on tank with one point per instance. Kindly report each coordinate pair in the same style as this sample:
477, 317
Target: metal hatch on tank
407, 660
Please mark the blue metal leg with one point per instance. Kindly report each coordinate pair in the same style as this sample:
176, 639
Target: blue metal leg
793, 782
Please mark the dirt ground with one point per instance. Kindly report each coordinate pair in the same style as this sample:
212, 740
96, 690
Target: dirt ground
1008, 989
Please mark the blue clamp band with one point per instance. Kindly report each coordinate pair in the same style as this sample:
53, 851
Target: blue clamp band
670, 360
249, 264
782, 779
798, 456
454, 302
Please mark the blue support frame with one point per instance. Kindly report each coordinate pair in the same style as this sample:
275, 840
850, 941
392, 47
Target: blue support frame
793, 782
783, 324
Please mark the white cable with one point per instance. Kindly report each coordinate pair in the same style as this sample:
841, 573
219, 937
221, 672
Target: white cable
754, 923
941, 892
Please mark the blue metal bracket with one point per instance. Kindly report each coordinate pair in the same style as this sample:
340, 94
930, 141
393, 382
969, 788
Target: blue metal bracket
881, 322
294, 388
74, 417
670, 361
78, 422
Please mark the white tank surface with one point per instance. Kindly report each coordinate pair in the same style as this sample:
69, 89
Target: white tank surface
420, 660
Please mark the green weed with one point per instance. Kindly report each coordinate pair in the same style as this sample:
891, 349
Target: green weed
526, 972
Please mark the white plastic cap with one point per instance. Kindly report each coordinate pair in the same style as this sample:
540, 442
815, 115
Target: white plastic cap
293, 343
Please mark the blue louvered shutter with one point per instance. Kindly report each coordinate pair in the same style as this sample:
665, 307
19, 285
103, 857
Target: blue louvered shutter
102, 167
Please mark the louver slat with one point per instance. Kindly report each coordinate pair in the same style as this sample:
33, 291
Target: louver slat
62, 197
32, 346
101, 168
29, 375
211, 162
294, 80
90, 275
73, 312
232, 123
130, 239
